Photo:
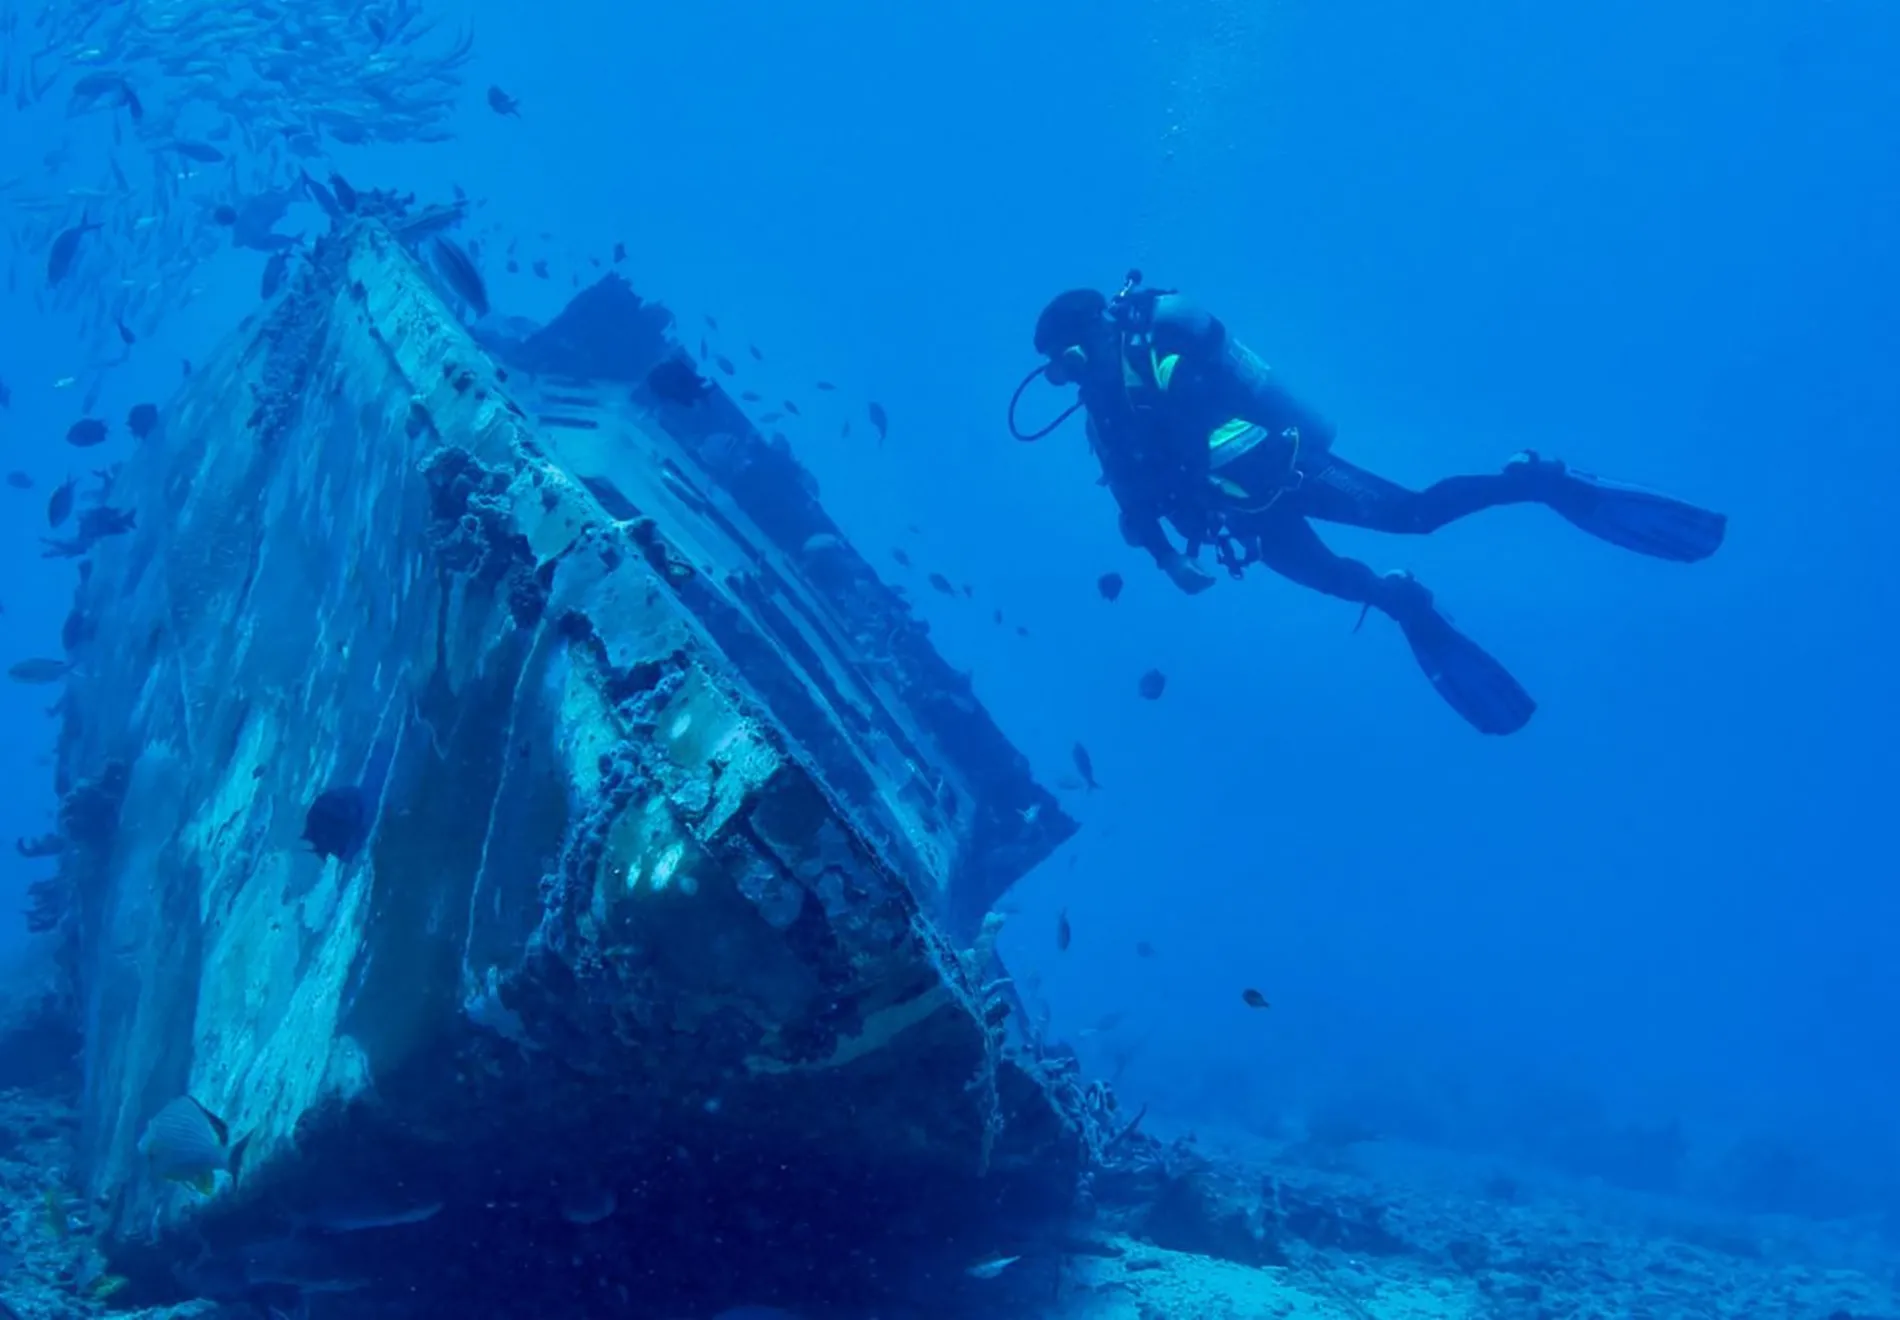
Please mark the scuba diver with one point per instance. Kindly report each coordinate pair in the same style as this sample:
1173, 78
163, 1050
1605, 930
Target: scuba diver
1191, 427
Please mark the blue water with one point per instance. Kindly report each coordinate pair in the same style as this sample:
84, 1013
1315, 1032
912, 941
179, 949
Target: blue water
1663, 242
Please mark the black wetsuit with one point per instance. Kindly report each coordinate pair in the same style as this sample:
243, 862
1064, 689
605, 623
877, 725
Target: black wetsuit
1153, 444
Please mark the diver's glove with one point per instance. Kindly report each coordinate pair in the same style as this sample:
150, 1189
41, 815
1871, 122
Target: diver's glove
1187, 575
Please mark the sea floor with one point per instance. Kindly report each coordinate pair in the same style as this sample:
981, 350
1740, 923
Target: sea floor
1472, 1240
1461, 1238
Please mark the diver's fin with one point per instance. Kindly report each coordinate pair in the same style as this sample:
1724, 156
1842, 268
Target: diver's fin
1472, 683
1646, 521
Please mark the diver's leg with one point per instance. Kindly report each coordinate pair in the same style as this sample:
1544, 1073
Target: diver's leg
1480, 689
1286, 543
1645, 521
1343, 492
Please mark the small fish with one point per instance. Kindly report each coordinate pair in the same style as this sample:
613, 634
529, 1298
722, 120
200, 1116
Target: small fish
540, 269
766, 419
1252, 998
345, 195
901, 555
753, 349
276, 266
941, 583
1143, 949
725, 365
202, 152
996, 617
1110, 586
1152, 685
502, 103
224, 214
880, 422
103, 521
792, 408
338, 822
65, 250
1084, 766
989, 1269
458, 268
675, 381
751, 396
142, 420
86, 432
59, 505
187, 1143
1064, 935
6, 395
824, 385
19, 481
620, 253
40, 669
711, 324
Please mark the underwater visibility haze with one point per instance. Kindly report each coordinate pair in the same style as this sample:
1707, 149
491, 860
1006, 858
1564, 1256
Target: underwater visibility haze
848, 660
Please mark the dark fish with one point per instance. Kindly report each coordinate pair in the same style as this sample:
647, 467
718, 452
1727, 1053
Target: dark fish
40, 669
125, 333
996, 617
725, 365
1152, 685
142, 420
1254, 999
902, 556
753, 349
844, 432
86, 432
880, 422
1021, 631
1063, 934
792, 408
130, 100
704, 352
1143, 949
1084, 766
322, 196
276, 267
824, 385
766, 419
65, 250
941, 583
541, 269
19, 481
458, 268
750, 396
225, 214
6, 395
44, 845
103, 521
620, 253
1110, 585
202, 152
338, 822
60, 505
711, 324
187, 1143
345, 195
514, 267
675, 381
502, 103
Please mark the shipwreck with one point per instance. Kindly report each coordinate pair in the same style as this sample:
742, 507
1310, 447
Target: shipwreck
504, 797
